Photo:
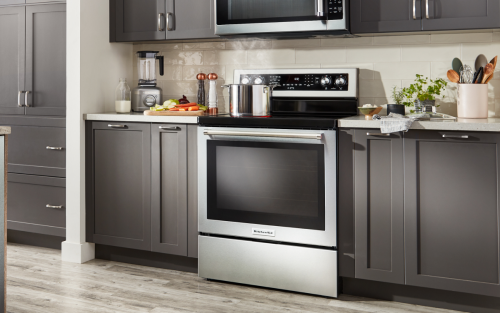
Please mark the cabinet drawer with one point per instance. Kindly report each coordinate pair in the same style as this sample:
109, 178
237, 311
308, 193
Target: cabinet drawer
28, 201
37, 151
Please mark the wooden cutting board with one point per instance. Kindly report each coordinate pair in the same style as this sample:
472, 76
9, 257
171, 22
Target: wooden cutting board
174, 113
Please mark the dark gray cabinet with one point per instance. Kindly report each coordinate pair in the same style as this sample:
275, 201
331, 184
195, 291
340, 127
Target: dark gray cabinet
379, 206
169, 189
368, 16
37, 204
10, 2
138, 20
12, 58
46, 59
190, 19
121, 176
382, 16
452, 211
192, 192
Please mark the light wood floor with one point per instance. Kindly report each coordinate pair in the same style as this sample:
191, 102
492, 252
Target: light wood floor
39, 282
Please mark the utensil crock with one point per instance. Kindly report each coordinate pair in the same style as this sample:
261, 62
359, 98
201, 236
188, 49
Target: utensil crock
472, 101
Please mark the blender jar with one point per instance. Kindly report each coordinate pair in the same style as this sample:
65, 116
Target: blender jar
146, 67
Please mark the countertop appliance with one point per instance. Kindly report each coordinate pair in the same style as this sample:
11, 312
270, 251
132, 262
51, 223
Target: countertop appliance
267, 186
292, 17
147, 94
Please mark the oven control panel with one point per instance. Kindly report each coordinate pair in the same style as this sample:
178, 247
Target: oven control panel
312, 82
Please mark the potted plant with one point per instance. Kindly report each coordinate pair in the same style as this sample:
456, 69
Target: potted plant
423, 92
398, 106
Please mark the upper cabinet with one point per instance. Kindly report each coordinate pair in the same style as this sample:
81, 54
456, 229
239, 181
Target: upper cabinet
33, 60
138, 20
385, 16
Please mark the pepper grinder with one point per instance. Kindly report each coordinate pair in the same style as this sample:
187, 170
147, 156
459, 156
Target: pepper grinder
201, 88
212, 94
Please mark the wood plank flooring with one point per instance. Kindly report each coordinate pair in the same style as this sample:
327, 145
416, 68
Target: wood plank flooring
37, 281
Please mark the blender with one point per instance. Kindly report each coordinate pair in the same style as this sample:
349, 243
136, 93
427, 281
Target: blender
146, 94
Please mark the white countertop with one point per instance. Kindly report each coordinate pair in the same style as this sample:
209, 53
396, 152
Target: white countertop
488, 125
139, 117
4, 130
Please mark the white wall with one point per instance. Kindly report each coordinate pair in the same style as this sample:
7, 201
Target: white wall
93, 69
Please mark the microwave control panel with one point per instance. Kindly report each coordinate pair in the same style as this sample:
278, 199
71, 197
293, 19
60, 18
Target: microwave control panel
335, 9
328, 82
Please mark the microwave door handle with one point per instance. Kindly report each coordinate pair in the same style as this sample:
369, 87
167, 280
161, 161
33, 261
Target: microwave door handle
317, 136
320, 12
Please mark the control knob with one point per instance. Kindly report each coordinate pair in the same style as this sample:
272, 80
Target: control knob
259, 80
245, 80
340, 82
326, 81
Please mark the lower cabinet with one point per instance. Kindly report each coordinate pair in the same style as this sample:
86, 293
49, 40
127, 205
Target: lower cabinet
452, 211
137, 186
379, 206
433, 222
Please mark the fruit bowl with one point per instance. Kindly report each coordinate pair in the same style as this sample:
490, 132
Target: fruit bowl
369, 112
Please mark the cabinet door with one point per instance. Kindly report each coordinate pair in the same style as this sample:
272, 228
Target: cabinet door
137, 20
452, 211
378, 205
46, 59
121, 189
382, 16
12, 58
189, 19
460, 14
169, 189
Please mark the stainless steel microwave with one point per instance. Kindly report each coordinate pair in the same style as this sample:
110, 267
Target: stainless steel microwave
238, 17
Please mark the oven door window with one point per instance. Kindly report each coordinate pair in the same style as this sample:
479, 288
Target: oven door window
265, 11
277, 184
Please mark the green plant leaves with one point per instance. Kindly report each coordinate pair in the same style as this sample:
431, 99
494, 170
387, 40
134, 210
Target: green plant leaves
423, 89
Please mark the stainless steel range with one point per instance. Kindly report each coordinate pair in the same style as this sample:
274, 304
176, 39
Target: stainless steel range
268, 186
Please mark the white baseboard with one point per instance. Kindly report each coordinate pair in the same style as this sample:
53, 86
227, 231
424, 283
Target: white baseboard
77, 252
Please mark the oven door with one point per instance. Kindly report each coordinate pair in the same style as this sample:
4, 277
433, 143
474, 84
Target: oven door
268, 184
269, 16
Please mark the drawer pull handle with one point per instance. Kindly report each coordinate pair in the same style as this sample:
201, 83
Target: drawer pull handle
19, 99
458, 136
378, 134
54, 148
116, 126
170, 128
26, 98
54, 206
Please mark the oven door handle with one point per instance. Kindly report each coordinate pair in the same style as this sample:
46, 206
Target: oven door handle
317, 136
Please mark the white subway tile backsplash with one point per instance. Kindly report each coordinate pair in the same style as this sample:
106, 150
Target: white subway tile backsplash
321, 55
373, 54
279, 56
384, 62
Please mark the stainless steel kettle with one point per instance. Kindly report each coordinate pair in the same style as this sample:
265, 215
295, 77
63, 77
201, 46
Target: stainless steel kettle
250, 100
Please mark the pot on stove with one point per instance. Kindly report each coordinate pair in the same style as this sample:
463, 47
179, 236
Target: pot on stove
250, 100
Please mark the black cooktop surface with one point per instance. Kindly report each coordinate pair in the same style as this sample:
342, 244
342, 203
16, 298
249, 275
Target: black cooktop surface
226, 120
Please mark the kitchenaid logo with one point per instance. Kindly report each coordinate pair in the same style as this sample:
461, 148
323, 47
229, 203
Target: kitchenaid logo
263, 232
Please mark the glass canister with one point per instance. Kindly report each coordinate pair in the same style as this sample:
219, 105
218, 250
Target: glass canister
123, 97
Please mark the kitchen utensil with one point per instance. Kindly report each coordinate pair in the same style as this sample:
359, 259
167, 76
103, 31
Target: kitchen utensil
201, 88
369, 112
488, 71
456, 65
481, 61
466, 74
472, 101
174, 113
250, 100
453, 76
479, 76
494, 62
212, 94
475, 77
146, 94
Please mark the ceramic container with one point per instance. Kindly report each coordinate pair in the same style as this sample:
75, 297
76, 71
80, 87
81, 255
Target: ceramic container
472, 101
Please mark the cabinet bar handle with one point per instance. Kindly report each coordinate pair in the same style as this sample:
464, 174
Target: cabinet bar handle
318, 136
414, 11
427, 9
170, 128
378, 134
54, 206
160, 19
19, 99
168, 21
116, 126
458, 136
26, 98
321, 8
54, 148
